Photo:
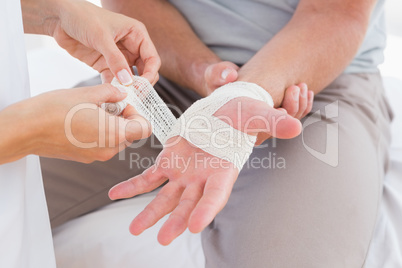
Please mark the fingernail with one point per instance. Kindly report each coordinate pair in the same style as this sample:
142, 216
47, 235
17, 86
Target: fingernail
124, 77
225, 73
296, 94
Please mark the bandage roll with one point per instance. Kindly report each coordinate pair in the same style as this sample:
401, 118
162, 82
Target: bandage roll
148, 104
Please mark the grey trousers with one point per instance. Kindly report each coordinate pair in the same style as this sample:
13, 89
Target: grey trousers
310, 201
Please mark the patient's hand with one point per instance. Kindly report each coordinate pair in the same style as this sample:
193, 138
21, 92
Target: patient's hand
199, 184
297, 101
216, 75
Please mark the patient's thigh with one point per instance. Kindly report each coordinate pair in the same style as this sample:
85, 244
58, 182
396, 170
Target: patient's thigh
291, 207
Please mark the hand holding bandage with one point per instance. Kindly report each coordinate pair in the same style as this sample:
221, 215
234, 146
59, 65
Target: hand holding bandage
201, 180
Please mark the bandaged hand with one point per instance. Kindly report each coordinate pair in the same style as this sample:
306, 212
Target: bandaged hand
200, 182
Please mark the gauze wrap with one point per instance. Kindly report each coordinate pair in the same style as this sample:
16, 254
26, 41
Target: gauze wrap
148, 104
197, 124
213, 135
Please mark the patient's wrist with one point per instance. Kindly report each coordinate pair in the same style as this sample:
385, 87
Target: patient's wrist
273, 86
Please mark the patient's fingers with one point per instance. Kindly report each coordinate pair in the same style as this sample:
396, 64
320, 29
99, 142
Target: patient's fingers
178, 220
271, 121
303, 101
291, 100
216, 194
165, 201
149, 180
310, 101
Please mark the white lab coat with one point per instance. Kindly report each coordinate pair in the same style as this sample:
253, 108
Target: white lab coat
25, 236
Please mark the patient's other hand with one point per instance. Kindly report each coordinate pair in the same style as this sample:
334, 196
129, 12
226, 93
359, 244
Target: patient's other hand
199, 184
298, 100
217, 75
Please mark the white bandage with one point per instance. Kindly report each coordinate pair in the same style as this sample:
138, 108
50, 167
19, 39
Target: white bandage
197, 125
148, 104
209, 133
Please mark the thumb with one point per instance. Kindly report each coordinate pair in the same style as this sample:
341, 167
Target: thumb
282, 125
108, 93
219, 74
228, 72
275, 122
116, 62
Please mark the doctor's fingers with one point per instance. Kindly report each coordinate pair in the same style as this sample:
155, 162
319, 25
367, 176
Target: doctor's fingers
134, 47
97, 94
115, 60
115, 130
133, 128
141, 48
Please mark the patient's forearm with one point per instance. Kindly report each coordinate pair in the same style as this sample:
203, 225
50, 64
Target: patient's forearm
184, 56
315, 47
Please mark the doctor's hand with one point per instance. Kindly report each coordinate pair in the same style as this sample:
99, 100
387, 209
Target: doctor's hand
199, 184
109, 42
69, 124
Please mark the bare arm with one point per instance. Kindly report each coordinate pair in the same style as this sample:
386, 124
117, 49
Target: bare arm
185, 58
68, 124
314, 47
106, 41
